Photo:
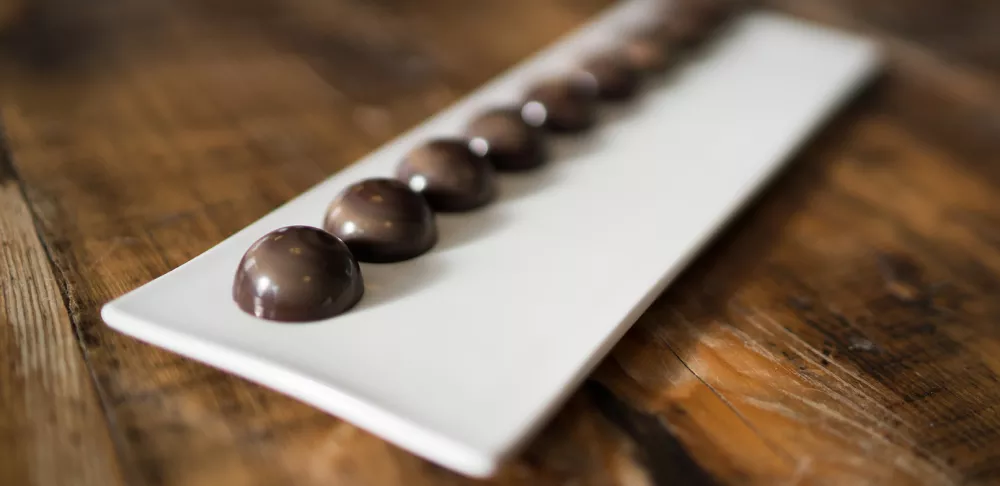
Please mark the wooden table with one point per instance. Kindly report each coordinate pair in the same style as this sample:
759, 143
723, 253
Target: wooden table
845, 331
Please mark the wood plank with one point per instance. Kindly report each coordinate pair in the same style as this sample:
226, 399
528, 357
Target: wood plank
849, 328
52, 427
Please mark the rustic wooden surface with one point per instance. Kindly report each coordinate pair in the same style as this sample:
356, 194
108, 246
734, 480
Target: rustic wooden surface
843, 331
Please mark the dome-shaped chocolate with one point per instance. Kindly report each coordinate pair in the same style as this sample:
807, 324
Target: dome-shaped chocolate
685, 23
648, 51
297, 274
562, 104
507, 142
449, 175
382, 221
613, 77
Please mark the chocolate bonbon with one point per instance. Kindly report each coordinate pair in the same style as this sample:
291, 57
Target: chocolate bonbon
449, 175
506, 140
382, 221
297, 274
613, 77
687, 23
561, 104
712, 13
648, 51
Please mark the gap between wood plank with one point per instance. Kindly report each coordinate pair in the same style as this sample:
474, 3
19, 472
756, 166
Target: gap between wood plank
9, 173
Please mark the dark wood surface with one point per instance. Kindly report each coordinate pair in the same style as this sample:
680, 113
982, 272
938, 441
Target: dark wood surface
845, 330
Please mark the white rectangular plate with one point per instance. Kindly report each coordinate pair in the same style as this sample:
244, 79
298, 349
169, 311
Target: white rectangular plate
461, 354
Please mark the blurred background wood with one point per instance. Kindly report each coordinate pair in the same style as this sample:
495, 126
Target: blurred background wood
843, 331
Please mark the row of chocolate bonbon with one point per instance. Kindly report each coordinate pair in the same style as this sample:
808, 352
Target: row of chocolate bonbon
301, 273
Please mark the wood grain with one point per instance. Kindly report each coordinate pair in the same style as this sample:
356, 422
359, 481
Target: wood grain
52, 427
841, 332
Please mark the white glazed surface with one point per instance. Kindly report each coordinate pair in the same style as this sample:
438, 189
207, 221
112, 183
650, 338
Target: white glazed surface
461, 354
